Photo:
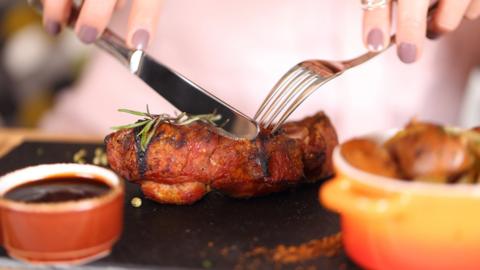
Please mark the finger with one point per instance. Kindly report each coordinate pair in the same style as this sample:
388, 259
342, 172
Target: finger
142, 22
473, 10
94, 17
448, 15
120, 4
376, 28
411, 24
55, 14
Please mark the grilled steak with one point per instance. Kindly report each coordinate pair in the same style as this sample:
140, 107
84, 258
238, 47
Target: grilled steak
183, 163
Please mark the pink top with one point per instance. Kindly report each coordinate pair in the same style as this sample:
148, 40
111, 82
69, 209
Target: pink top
238, 49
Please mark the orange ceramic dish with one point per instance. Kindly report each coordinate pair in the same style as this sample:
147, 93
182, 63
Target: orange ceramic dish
394, 224
69, 232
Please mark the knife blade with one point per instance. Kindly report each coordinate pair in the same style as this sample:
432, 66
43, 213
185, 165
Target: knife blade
188, 97
179, 91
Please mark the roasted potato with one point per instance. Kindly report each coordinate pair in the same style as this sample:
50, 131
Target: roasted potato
427, 152
420, 152
369, 156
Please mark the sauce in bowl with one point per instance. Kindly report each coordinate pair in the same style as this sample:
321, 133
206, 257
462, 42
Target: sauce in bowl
59, 188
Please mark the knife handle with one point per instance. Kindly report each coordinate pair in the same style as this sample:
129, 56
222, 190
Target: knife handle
108, 41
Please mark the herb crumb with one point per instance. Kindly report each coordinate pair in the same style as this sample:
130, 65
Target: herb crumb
100, 157
136, 202
79, 156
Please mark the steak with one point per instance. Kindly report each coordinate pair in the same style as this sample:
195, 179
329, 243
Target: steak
184, 162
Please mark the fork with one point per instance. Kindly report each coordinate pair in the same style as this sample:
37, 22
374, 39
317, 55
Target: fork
302, 80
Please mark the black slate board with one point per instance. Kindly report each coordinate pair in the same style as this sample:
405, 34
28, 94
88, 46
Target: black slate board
177, 237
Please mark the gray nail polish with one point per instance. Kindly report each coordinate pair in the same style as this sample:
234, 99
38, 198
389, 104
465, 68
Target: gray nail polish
52, 27
87, 34
140, 39
375, 40
407, 52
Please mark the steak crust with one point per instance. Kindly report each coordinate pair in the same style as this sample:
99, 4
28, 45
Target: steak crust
183, 163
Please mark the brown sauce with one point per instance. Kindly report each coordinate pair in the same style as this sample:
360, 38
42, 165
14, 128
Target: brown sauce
58, 189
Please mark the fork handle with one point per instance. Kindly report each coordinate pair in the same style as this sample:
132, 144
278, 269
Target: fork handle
367, 56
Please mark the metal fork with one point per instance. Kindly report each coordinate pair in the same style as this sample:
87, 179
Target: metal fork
302, 80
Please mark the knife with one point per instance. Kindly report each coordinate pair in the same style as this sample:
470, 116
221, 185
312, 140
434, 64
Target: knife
179, 91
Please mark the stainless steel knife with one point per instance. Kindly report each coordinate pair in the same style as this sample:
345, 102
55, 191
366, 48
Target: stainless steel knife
182, 93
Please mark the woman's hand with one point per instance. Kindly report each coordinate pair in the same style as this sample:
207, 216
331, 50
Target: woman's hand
412, 24
96, 14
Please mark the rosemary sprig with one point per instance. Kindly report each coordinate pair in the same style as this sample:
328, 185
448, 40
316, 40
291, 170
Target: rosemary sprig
150, 122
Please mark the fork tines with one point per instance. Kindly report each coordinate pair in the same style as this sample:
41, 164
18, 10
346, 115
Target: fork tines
289, 92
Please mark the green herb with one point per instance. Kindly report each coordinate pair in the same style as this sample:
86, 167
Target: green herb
150, 122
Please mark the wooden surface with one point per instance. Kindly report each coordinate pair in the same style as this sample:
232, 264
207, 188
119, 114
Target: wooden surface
10, 138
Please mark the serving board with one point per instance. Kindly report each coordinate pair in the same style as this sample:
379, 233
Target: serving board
213, 233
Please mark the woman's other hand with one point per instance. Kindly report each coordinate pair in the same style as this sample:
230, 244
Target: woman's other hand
412, 25
95, 15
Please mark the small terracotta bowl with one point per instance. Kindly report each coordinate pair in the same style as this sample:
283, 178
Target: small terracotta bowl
68, 232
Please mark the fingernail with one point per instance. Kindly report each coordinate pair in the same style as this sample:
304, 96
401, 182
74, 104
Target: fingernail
433, 34
375, 40
140, 39
407, 52
87, 34
52, 27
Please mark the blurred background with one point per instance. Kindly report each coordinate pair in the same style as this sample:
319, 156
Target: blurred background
35, 68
